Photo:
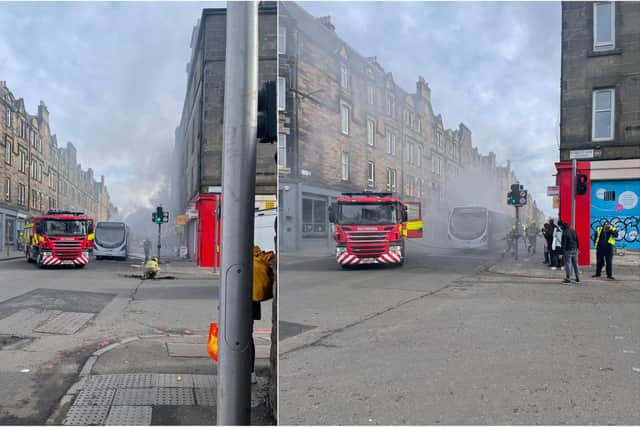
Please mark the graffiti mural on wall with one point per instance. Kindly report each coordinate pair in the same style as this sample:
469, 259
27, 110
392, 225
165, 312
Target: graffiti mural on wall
617, 202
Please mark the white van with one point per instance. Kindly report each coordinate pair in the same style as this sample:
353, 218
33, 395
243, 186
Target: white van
265, 229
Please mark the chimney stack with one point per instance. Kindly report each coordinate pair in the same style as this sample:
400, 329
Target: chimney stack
43, 112
326, 21
423, 89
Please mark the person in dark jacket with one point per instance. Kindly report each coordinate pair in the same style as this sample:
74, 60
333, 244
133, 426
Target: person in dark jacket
570, 248
548, 237
604, 240
547, 255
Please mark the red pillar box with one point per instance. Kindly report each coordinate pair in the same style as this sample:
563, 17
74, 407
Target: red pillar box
209, 229
583, 205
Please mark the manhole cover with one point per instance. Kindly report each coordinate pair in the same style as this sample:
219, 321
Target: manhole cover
65, 323
291, 329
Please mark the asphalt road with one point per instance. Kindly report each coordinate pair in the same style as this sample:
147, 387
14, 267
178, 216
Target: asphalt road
36, 367
442, 341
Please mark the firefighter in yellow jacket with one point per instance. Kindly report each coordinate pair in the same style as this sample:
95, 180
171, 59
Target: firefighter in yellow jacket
604, 241
151, 268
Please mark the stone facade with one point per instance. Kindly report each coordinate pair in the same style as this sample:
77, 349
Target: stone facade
198, 138
587, 67
37, 175
343, 115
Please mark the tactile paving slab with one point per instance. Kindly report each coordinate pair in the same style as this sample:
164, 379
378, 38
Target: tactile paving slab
129, 416
94, 397
136, 381
175, 396
103, 381
204, 381
135, 396
173, 380
86, 415
65, 323
205, 396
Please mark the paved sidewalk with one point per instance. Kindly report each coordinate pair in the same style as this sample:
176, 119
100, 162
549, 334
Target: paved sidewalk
156, 380
11, 254
531, 265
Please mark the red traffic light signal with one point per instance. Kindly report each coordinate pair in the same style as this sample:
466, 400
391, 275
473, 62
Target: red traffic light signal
581, 184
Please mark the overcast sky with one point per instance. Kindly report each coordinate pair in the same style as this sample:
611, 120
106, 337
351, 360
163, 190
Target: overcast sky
493, 66
113, 77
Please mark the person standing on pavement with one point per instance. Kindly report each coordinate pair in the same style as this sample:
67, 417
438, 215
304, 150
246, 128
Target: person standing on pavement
556, 245
548, 236
570, 249
547, 254
147, 249
532, 236
604, 241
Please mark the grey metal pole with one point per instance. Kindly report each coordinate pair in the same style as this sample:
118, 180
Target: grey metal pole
238, 199
159, 228
517, 228
574, 167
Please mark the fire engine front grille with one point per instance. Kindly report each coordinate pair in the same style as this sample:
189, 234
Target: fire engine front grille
67, 250
368, 251
367, 236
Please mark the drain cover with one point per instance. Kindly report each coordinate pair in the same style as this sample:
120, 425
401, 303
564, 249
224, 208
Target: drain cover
66, 323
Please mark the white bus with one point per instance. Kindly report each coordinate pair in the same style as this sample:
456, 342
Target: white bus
476, 227
111, 240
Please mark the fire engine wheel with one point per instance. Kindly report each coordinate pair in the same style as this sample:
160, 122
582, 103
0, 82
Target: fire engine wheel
345, 266
81, 265
39, 261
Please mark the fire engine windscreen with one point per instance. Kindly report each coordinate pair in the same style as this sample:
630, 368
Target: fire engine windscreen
468, 224
59, 227
367, 214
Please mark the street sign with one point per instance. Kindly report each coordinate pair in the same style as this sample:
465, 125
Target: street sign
181, 219
581, 154
553, 191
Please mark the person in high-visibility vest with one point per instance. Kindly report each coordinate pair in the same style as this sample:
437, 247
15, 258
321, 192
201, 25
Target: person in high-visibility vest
604, 241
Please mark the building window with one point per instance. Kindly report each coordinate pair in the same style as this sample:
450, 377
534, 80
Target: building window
371, 132
7, 150
371, 95
371, 173
409, 153
345, 166
282, 150
7, 189
282, 93
604, 26
393, 144
34, 199
391, 179
344, 119
9, 231
23, 129
388, 138
23, 162
419, 126
314, 218
419, 191
7, 117
603, 114
418, 156
21, 195
344, 76
282, 39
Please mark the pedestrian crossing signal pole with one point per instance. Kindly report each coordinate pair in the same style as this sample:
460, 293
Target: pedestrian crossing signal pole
238, 200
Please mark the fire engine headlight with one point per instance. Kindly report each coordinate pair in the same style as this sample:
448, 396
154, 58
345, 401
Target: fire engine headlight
341, 249
46, 253
395, 248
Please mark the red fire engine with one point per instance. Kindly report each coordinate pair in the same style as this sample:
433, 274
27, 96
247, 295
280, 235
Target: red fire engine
59, 238
370, 228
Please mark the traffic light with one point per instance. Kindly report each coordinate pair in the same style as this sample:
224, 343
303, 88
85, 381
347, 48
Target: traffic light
517, 196
159, 215
581, 184
268, 112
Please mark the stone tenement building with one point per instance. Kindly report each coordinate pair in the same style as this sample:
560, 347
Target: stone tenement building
346, 125
36, 175
195, 190
600, 117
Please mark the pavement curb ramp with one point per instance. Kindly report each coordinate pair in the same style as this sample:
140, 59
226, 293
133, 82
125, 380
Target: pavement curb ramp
68, 398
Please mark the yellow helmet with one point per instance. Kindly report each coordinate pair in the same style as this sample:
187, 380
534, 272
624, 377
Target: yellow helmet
155, 258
